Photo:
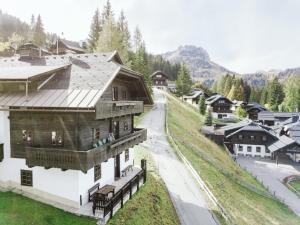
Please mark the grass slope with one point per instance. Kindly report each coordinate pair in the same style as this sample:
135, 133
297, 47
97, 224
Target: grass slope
151, 205
241, 195
19, 210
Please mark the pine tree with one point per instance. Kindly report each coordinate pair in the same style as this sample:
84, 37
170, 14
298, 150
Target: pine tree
202, 107
291, 101
240, 112
137, 39
183, 82
39, 36
107, 14
228, 84
208, 118
94, 32
276, 94
125, 38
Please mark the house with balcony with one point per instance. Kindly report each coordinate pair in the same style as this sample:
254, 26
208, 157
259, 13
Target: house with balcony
67, 123
62, 46
220, 106
159, 79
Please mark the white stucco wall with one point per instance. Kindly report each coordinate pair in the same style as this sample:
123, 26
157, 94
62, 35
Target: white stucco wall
54, 184
253, 152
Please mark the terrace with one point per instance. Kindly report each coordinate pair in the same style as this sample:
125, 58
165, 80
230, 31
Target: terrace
82, 160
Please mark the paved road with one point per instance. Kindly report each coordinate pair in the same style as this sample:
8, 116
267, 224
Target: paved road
186, 195
272, 175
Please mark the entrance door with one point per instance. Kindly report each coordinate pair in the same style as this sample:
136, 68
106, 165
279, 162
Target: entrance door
115, 129
117, 167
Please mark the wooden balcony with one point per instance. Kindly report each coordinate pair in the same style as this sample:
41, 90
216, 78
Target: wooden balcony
108, 109
81, 160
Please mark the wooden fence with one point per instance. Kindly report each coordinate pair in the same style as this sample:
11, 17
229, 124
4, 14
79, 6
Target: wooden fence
108, 207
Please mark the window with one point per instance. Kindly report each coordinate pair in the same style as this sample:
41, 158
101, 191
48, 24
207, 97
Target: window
97, 172
56, 138
258, 149
1, 152
240, 148
126, 155
115, 94
221, 101
158, 76
124, 95
249, 149
26, 136
96, 134
26, 178
241, 137
264, 137
252, 138
125, 125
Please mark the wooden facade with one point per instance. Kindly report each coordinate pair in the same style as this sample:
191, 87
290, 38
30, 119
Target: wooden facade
159, 78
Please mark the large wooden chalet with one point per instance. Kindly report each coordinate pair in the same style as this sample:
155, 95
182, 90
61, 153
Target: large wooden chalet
67, 122
159, 79
219, 105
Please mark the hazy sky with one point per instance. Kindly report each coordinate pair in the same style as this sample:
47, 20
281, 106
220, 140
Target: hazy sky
242, 35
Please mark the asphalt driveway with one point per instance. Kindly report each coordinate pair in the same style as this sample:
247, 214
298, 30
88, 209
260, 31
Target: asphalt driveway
186, 195
272, 175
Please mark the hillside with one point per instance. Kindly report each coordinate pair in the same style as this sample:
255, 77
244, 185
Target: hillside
11, 24
198, 61
243, 197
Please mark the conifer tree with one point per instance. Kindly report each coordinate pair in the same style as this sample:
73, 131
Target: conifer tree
183, 82
94, 32
39, 36
276, 94
202, 107
208, 118
125, 38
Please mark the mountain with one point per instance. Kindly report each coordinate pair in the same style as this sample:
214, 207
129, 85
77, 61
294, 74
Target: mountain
203, 69
260, 78
198, 61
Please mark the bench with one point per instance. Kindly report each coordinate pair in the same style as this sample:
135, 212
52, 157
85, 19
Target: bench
92, 191
126, 170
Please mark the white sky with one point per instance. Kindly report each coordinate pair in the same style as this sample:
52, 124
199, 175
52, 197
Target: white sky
242, 35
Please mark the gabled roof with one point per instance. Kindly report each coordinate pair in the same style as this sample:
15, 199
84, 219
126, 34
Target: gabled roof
215, 98
81, 85
159, 72
194, 95
72, 45
26, 73
254, 127
282, 142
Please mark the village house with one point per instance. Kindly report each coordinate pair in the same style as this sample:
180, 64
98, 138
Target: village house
220, 106
195, 96
63, 46
275, 118
159, 79
253, 109
248, 138
67, 123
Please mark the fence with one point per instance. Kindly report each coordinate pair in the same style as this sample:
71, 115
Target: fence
119, 196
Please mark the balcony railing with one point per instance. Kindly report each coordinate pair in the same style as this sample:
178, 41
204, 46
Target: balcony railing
82, 160
108, 109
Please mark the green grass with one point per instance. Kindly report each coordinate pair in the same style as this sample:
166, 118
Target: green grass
242, 196
16, 209
152, 204
296, 185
